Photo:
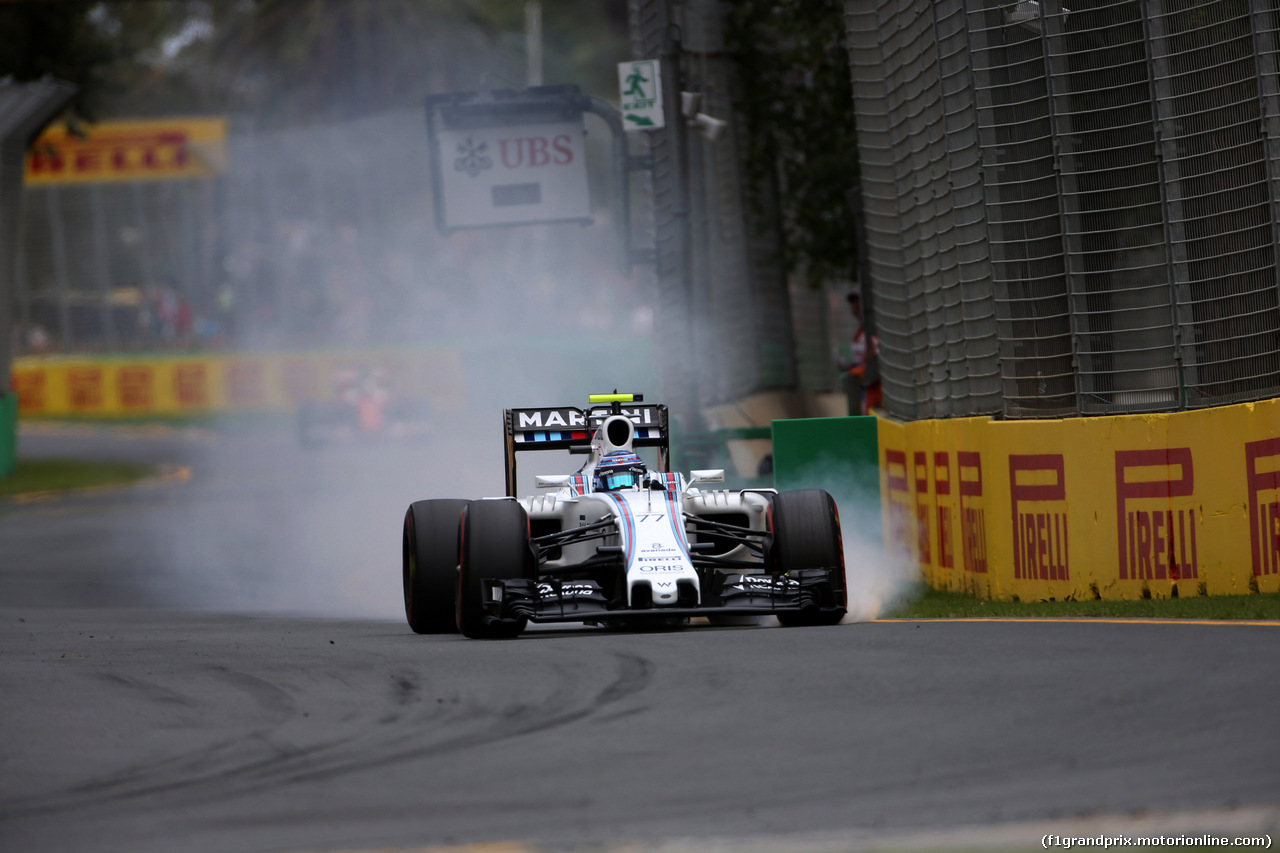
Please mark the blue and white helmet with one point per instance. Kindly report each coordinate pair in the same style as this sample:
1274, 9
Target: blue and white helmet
620, 469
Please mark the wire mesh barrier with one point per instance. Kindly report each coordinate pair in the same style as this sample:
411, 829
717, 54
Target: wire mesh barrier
1108, 176
935, 315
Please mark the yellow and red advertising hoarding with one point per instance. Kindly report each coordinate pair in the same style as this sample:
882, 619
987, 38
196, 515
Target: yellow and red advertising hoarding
1113, 507
151, 149
206, 384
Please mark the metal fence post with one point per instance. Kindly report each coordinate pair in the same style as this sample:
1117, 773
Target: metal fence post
1266, 40
58, 235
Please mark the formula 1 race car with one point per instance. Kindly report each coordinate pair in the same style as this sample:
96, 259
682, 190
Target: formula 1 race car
616, 543
364, 407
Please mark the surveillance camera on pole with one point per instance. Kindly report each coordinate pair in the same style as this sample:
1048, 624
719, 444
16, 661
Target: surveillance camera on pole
710, 128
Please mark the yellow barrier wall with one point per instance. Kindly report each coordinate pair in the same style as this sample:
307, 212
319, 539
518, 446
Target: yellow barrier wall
170, 385
1177, 504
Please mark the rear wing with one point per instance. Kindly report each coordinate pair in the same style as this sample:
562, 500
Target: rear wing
570, 428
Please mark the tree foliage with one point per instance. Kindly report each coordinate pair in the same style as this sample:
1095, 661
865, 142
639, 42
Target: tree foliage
798, 104
305, 59
106, 50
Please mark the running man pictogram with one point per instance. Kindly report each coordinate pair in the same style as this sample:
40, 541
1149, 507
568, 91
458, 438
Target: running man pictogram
633, 81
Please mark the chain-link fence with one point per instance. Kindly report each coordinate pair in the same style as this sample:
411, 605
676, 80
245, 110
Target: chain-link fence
926, 240
1071, 209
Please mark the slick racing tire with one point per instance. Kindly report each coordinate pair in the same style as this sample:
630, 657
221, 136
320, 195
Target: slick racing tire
806, 535
494, 544
429, 549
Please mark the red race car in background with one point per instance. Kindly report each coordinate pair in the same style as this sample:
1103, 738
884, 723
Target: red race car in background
365, 406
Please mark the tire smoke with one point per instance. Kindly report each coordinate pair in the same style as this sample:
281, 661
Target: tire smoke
878, 578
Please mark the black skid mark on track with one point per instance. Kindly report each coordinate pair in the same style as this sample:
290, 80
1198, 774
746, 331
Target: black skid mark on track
405, 689
188, 770
620, 715
272, 699
634, 674
173, 776
232, 773
151, 692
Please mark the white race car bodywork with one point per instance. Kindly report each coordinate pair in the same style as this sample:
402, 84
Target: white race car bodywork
664, 547
651, 530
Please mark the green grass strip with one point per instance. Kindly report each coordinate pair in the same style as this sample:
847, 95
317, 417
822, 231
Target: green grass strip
934, 604
42, 475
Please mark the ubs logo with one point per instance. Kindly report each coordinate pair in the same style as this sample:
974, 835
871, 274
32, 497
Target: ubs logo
474, 157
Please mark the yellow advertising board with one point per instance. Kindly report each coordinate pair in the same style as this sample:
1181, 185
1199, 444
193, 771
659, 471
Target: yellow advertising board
213, 383
153, 149
1103, 507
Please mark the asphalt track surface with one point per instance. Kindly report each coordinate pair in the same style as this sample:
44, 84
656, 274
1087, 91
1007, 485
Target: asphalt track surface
219, 664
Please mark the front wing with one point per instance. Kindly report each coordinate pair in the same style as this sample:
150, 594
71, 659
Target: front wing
723, 593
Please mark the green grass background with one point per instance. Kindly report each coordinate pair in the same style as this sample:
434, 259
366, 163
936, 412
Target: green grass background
927, 603
40, 475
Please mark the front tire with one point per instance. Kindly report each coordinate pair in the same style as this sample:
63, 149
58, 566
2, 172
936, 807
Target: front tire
429, 551
495, 544
806, 535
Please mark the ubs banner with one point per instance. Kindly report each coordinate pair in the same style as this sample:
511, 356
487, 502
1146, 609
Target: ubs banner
1111, 507
511, 157
207, 384
510, 175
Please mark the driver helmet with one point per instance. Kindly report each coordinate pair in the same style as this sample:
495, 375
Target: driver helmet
618, 470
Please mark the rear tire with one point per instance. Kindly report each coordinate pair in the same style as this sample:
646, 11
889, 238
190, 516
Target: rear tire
429, 550
495, 544
806, 535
